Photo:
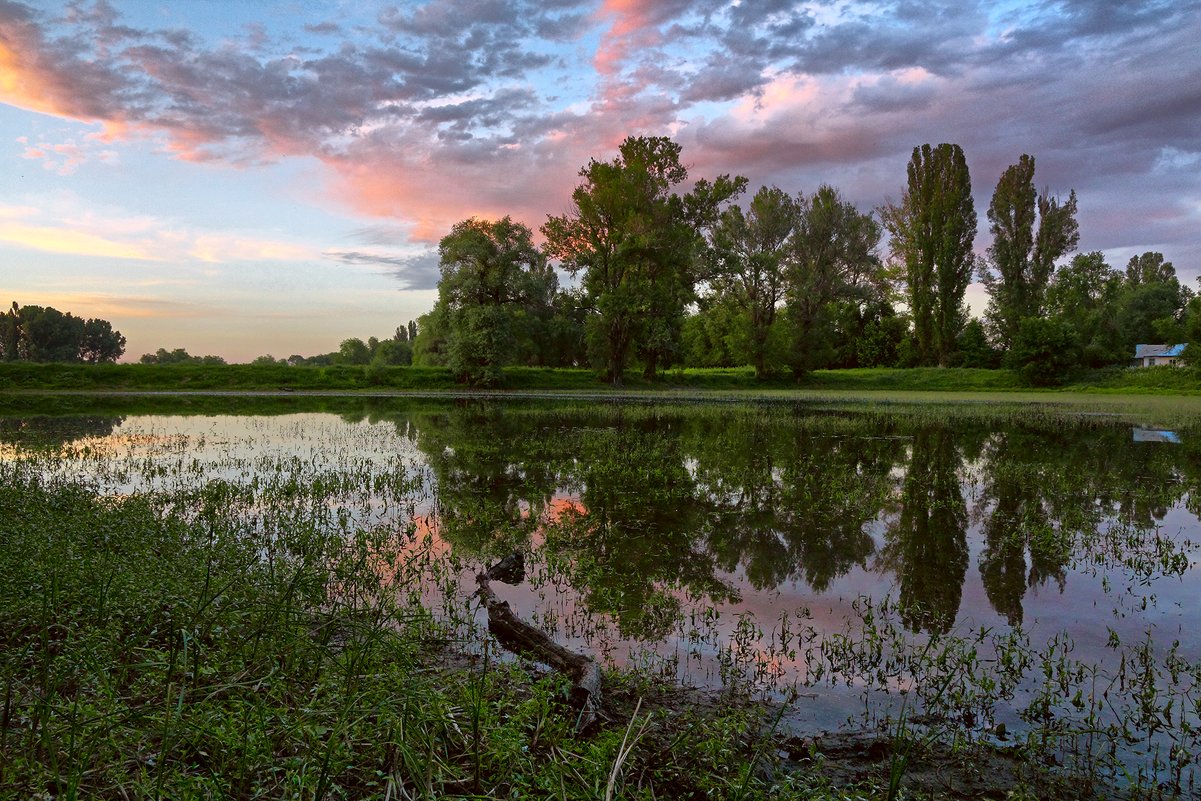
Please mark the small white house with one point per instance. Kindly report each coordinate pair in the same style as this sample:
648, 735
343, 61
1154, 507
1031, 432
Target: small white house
1156, 355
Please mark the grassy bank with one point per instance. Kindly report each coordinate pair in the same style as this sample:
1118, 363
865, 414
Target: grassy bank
148, 652
245, 377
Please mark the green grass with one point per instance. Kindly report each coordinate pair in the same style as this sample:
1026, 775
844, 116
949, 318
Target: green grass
170, 647
271, 378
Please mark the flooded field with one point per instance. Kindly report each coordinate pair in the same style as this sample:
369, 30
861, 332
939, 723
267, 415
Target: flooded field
1023, 576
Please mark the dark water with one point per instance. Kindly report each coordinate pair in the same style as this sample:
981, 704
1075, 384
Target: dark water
978, 567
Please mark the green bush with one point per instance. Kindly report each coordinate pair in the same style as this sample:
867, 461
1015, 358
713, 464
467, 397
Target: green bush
1044, 351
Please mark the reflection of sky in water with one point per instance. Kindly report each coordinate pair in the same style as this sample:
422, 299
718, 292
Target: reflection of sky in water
1099, 593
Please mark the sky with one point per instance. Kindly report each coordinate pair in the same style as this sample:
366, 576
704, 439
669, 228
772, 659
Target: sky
272, 177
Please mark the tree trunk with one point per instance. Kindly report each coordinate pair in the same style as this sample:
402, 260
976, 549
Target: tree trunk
522, 638
652, 361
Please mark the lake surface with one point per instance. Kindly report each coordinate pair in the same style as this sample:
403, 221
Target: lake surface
964, 566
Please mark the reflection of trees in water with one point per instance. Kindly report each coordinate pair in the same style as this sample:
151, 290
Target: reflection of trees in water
927, 544
496, 473
669, 498
1048, 491
53, 432
792, 501
635, 541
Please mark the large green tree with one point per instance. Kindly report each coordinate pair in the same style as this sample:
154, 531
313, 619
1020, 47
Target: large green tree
634, 240
749, 254
1030, 232
931, 229
1152, 305
491, 274
832, 257
1084, 293
100, 343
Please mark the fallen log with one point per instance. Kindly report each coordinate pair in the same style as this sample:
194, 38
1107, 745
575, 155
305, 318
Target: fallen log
521, 638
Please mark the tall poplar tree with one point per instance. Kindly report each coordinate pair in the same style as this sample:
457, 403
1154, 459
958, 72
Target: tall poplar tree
932, 229
1030, 232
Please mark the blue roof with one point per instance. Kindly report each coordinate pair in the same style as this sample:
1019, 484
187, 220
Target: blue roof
1158, 350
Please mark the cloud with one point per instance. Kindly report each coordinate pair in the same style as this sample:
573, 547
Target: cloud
60, 225
225, 249
75, 243
454, 108
420, 271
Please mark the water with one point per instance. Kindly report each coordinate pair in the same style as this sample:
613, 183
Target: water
1030, 568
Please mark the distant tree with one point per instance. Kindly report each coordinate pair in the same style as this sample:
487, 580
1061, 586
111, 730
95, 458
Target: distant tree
832, 257
1149, 268
717, 335
412, 330
871, 333
974, 349
100, 342
749, 255
1152, 305
430, 344
393, 352
50, 335
491, 275
178, 356
267, 360
44, 334
1192, 332
931, 230
1023, 254
10, 333
353, 351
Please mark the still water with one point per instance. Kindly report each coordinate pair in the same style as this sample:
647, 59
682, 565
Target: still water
967, 568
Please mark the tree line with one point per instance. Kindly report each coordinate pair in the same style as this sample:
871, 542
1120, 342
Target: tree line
44, 334
792, 283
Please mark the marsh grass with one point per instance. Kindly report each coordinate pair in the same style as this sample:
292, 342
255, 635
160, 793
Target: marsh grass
156, 646
207, 615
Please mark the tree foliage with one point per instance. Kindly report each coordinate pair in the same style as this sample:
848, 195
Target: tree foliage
1044, 351
749, 257
44, 334
932, 229
832, 258
493, 280
178, 356
632, 240
1030, 233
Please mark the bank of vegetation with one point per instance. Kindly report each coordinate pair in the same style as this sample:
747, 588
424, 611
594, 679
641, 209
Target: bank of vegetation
195, 377
168, 647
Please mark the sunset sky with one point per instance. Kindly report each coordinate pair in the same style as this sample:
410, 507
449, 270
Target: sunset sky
242, 178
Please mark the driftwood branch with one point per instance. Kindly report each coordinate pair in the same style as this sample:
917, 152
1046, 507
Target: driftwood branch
521, 638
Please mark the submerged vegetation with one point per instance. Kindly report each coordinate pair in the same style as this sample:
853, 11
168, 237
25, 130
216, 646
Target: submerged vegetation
281, 605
